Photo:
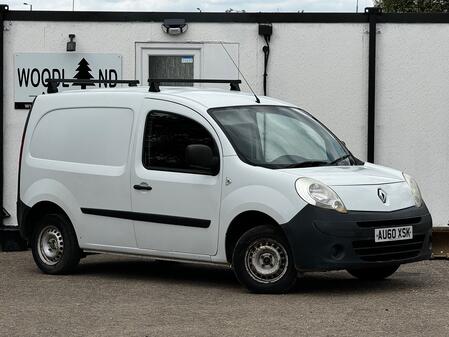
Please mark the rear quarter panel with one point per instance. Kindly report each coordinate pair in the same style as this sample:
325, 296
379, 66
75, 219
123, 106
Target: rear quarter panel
72, 184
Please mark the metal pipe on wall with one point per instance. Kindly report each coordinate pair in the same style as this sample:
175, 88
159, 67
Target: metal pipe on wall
372, 13
3, 10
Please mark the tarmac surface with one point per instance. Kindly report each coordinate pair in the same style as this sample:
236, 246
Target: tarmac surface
120, 296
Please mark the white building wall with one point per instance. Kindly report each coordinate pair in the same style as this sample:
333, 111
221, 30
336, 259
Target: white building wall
320, 67
323, 68
412, 108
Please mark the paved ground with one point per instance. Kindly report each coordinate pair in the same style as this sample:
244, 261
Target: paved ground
117, 296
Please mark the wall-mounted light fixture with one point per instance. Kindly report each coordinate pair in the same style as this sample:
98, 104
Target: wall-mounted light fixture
71, 45
174, 26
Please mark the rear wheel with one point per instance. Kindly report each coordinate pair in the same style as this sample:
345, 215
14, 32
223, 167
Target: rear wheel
54, 245
374, 273
262, 261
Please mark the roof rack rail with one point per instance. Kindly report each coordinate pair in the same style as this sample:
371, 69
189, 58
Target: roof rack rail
154, 83
53, 83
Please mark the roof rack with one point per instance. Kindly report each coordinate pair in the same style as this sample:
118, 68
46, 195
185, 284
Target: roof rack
53, 83
154, 83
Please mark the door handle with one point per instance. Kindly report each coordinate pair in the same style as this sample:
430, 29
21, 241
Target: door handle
143, 187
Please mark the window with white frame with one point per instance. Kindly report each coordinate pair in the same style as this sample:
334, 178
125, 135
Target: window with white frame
189, 60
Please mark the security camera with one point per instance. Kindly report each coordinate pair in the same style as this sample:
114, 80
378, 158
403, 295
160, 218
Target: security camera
71, 45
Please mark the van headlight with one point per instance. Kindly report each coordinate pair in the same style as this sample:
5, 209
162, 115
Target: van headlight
416, 193
318, 194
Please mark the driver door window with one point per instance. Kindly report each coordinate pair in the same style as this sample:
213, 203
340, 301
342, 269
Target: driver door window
166, 138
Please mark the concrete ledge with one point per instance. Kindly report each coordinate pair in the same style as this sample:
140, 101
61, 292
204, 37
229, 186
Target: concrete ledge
10, 239
440, 243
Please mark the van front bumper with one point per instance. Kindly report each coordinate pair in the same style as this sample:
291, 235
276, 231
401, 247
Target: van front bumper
322, 239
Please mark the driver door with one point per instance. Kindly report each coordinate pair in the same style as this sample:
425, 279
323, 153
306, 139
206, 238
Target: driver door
177, 206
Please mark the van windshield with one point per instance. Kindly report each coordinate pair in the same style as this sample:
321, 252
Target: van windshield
280, 137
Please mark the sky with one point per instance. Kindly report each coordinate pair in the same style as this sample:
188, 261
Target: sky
193, 5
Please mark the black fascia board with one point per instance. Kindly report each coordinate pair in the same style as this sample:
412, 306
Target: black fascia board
88, 16
413, 18
249, 17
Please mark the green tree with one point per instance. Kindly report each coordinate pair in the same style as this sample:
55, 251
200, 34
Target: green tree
413, 6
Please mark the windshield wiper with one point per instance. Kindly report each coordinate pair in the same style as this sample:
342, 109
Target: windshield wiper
339, 159
309, 163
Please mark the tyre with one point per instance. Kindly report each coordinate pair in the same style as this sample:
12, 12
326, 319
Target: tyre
373, 274
54, 245
262, 261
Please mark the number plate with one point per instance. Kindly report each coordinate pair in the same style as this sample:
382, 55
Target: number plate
393, 234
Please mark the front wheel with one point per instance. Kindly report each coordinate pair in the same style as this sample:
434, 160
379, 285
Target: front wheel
262, 261
54, 245
374, 273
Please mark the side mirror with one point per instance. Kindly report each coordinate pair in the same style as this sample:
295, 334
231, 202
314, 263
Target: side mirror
199, 156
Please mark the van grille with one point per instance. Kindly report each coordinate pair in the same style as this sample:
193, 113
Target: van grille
388, 223
368, 250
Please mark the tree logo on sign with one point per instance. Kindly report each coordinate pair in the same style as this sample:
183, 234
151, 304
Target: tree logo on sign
83, 73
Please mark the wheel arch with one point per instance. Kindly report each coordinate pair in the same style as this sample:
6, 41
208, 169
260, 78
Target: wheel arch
36, 212
241, 224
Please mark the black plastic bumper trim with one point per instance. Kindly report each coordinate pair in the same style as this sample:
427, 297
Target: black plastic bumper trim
22, 215
322, 239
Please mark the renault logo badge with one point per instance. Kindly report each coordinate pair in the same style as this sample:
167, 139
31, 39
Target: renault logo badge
382, 195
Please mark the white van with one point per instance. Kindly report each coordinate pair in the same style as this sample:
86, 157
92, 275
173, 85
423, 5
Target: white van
209, 176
